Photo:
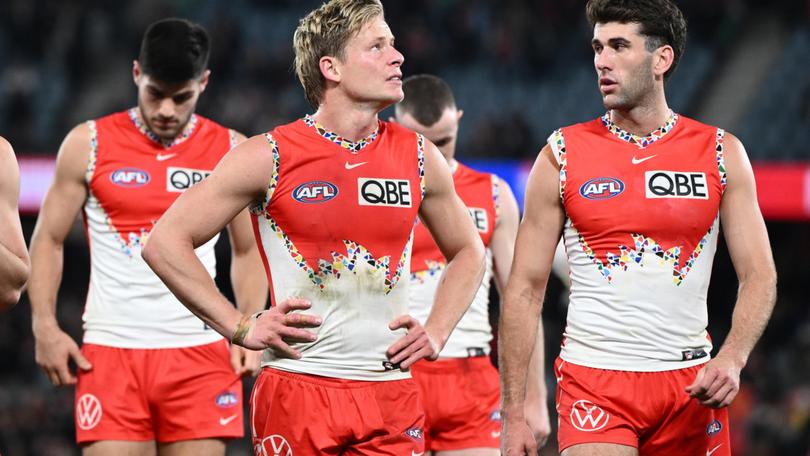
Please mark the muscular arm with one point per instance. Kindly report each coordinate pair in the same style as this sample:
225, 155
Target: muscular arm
748, 245
503, 248
59, 210
247, 271
13, 255
238, 180
537, 239
248, 280
448, 221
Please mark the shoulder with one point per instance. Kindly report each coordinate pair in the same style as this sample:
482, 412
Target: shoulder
8, 161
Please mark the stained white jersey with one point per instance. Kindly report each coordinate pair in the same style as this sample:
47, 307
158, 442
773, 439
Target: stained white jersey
640, 235
335, 228
132, 180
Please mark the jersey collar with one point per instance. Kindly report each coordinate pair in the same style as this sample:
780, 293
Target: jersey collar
182, 137
641, 141
353, 147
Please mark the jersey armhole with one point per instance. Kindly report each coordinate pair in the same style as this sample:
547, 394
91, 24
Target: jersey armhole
92, 156
232, 138
496, 197
260, 208
557, 143
420, 154
721, 164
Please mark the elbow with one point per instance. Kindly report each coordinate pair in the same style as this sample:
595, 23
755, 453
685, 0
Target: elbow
10, 299
151, 251
11, 296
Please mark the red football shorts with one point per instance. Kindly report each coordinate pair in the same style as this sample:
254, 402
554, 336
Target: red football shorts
462, 403
166, 394
299, 414
646, 410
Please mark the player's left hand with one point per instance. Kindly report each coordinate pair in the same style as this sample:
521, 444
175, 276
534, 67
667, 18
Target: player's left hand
717, 383
412, 347
245, 361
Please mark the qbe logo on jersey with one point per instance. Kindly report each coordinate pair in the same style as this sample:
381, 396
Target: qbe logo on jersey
182, 179
676, 184
383, 192
479, 218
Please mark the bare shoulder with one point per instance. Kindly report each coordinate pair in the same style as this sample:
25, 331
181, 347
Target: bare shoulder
737, 164
76, 147
7, 157
9, 169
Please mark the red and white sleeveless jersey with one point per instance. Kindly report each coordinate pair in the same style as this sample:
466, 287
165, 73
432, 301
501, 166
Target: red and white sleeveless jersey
132, 180
641, 232
335, 228
479, 191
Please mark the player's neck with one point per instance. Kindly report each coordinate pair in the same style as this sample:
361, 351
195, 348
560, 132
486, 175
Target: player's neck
643, 118
349, 121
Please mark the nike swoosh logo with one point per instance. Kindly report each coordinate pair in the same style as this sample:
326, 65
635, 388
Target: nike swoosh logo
352, 166
636, 161
709, 453
414, 453
496, 434
160, 157
225, 421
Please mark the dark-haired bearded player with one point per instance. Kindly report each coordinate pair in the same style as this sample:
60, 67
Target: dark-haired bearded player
638, 196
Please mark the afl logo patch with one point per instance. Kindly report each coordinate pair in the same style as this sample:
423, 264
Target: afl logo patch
315, 192
129, 177
714, 427
601, 188
227, 399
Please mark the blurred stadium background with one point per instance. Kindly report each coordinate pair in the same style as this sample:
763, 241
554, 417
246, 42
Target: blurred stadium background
519, 69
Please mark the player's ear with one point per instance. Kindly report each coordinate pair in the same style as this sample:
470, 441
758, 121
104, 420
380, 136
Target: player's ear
330, 68
136, 71
204, 80
459, 114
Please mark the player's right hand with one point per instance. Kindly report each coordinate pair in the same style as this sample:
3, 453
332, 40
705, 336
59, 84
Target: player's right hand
276, 327
54, 348
517, 439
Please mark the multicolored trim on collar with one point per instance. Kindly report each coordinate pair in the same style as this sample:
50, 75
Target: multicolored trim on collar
187, 131
640, 141
353, 147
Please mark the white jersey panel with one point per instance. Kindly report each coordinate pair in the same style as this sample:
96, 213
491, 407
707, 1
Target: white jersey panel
128, 306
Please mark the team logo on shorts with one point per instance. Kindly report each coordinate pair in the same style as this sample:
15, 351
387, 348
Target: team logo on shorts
129, 177
495, 415
274, 445
601, 188
88, 412
714, 427
588, 417
315, 192
227, 399
415, 433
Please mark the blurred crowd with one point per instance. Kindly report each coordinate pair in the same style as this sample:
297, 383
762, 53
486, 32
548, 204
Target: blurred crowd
62, 62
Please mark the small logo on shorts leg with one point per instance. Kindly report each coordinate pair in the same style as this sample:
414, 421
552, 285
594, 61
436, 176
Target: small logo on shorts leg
274, 445
227, 399
88, 412
588, 417
415, 433
714, 427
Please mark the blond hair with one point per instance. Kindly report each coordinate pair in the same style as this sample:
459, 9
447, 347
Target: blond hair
325, 32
